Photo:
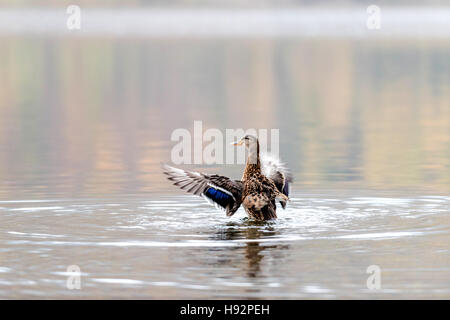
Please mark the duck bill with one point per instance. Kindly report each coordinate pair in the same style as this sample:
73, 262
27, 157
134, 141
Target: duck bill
237, 143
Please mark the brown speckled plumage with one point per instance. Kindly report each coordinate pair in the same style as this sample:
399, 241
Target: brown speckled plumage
258, 191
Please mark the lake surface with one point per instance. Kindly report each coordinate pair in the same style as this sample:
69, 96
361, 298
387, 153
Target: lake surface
178, 247
86, 121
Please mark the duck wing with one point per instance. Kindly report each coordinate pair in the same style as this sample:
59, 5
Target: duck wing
221, 191
277, 171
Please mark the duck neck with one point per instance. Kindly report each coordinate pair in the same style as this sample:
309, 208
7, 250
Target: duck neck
253, 165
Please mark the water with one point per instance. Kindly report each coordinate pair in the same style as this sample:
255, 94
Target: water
178, 247
86, 121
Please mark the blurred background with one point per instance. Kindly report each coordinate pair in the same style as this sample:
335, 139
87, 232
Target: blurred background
217, 3
90, 111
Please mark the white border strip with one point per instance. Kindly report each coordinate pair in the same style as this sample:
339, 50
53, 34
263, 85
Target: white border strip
158, 23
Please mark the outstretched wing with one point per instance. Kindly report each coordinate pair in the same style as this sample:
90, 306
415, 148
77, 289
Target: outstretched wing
225, 193
275, 170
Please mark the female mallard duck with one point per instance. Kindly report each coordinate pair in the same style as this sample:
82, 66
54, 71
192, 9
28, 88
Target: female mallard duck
260, 186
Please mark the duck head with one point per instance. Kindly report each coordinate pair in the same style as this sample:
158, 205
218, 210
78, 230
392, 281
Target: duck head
252, 145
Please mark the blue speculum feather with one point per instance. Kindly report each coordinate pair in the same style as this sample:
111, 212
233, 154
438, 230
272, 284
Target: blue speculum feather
286, 188
218, 196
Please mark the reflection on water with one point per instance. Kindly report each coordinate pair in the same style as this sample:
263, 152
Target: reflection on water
85, 117
252, 231
86, 122
177, 246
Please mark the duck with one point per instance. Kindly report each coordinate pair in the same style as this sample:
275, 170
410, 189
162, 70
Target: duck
265, 181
